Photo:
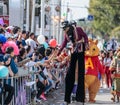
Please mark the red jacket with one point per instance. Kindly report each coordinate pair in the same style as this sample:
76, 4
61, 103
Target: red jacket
93, 66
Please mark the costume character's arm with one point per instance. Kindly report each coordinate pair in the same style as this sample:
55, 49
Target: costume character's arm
100, 68
64, 43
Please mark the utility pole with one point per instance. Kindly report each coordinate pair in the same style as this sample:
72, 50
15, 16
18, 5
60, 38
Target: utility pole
59, 31
42, 17
27, 16
33, 17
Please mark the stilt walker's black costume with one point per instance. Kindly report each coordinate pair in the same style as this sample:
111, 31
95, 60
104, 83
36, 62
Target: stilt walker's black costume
80, 43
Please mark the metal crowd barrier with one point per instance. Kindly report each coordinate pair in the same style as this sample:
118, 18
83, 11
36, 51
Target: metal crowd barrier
22, 95
20, 82
60, 73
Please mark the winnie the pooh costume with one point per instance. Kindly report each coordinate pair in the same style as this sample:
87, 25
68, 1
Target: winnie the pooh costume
93, 69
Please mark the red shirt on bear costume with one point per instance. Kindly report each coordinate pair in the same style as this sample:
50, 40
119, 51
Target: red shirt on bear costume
93, 66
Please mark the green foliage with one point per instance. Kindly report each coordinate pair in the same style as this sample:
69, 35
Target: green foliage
116, 32
106, 15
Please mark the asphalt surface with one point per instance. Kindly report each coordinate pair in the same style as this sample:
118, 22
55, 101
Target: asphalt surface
57, 98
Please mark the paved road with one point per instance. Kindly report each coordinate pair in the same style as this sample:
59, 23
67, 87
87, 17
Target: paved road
56, 98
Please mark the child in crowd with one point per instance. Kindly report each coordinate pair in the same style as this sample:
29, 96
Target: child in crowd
107, 61
115, 69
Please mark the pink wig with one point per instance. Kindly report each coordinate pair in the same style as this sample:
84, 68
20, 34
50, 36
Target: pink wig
10, 44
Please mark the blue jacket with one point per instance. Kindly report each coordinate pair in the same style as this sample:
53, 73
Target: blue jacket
13, 65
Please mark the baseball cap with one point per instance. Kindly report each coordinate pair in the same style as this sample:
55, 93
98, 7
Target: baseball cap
2, 38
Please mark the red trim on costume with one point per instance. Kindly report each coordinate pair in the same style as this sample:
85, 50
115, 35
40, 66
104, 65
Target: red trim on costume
93, 66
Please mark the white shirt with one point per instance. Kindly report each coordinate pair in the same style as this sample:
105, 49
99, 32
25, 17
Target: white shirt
107, 61
32, 44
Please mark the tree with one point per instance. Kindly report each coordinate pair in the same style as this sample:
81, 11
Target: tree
116, 32
106, 15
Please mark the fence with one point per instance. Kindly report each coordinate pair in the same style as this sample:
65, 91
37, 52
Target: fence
24, 83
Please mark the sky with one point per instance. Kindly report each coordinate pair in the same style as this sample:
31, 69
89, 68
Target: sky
77, 7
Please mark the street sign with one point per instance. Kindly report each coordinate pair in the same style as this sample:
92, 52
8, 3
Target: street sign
82, 19
90, 17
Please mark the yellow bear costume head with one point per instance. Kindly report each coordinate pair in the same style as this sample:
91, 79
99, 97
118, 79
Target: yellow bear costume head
93, 48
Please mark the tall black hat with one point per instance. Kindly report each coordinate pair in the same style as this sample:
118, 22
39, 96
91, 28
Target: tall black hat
65, 24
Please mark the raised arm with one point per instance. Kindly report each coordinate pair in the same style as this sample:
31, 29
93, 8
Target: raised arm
64, 43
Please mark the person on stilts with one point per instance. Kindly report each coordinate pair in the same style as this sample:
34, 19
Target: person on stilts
79, 40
